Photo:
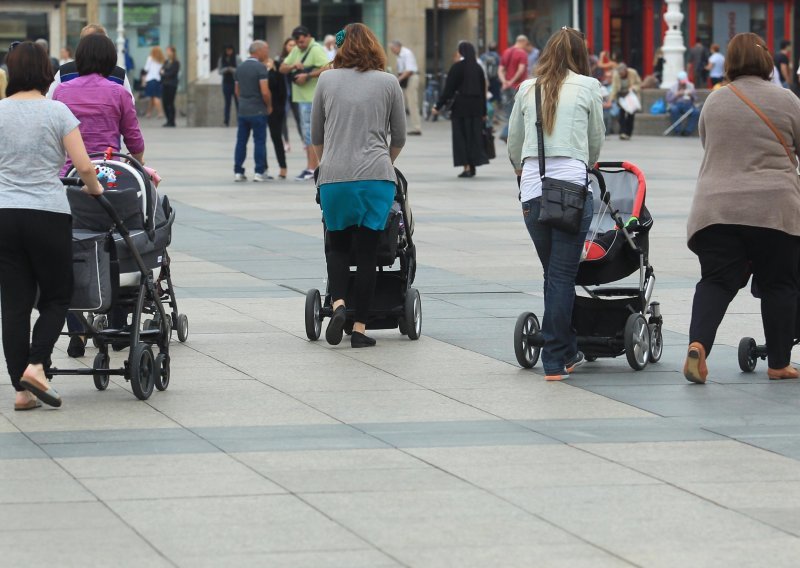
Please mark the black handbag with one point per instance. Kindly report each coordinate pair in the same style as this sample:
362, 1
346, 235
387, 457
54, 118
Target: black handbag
488, 142
562, 201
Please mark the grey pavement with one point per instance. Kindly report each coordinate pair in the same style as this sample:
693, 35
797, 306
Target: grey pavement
270, 450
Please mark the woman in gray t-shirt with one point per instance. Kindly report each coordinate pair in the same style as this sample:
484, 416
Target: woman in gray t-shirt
35, 221
357, 108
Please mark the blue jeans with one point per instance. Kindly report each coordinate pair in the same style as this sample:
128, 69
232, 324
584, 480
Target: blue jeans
560, 254
677, 110
258, 124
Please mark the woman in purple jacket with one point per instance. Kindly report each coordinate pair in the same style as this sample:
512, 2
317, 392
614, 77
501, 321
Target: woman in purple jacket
104, 108
106, 113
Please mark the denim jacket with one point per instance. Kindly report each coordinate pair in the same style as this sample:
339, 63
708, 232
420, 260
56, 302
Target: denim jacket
579, 130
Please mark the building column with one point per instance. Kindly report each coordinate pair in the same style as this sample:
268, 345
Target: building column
203, 39
673, 44
245, 27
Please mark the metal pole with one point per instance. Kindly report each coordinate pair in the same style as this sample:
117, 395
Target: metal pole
482, 27
121, 33
245, 27
576, 17
203, 40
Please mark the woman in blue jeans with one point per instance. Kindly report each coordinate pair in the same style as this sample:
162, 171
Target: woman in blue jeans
572, 117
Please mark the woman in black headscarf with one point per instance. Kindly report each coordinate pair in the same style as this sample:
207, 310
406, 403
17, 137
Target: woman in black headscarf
465, 89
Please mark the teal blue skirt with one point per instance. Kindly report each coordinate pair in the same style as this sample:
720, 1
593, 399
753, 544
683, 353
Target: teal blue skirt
356, 203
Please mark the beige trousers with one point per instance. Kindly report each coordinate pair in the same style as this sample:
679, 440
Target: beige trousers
411, 96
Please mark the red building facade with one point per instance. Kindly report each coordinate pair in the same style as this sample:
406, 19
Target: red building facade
634, 29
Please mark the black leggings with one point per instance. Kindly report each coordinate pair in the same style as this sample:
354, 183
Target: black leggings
726, 253
276, 121
168, 98
366, 248
626, 122
35, 250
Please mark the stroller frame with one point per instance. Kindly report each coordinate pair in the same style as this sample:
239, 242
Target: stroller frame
384, 313
141, 368
640, 337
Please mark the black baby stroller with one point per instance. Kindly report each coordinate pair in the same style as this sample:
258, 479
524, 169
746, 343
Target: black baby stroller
121, 269
610, 321
396, 304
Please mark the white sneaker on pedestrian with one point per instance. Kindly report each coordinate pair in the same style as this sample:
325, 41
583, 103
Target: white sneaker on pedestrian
258, 178
239, 177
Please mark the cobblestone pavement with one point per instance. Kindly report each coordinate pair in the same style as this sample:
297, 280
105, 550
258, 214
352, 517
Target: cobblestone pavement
270, 450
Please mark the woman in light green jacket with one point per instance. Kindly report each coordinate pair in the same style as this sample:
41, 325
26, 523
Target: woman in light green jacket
572, 117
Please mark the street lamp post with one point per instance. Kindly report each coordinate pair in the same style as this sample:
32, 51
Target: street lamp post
245, 27
121, 33
673, 47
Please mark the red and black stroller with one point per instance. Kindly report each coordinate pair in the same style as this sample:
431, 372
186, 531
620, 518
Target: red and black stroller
610, 321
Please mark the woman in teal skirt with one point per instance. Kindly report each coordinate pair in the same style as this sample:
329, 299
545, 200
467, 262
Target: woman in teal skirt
358, 127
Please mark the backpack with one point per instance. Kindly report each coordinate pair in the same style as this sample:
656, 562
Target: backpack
491, 61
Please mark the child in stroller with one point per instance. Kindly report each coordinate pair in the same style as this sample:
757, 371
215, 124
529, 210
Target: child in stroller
610, 321
120, 241
396, 304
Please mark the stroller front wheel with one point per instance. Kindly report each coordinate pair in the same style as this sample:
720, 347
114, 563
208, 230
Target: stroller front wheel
313, 317
142, 371
747, 355
656, 343
637, 342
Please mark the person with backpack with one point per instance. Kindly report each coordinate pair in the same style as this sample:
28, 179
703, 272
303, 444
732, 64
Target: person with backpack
491, 63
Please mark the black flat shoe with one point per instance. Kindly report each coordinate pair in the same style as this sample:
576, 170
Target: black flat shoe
76, 347
333, 334
360, 340
465, 174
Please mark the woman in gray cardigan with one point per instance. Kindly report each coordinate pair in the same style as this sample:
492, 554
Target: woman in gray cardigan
357, 109
746, 210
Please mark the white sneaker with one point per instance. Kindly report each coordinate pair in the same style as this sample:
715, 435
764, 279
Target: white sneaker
239, 177
258, 178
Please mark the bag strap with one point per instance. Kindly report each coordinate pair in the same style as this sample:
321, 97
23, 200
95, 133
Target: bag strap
537, 96
767, 121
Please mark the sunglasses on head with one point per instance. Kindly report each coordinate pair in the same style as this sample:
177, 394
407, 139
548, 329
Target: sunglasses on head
12, 45
569, 29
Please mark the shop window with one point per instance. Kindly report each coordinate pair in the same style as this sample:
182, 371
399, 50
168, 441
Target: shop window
537, 19
325, 17
76, 20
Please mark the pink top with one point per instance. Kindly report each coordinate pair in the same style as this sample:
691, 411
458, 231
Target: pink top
106, 112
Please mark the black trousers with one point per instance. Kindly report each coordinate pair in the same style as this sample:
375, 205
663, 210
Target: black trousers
168, 93
626, 122
276, 126
229, 92
35, 251
727, 253
366, 246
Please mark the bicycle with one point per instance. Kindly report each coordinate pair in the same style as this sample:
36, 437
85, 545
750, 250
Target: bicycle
433, 87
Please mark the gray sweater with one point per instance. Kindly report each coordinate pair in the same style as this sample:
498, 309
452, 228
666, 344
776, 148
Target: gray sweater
746, 178
355, 115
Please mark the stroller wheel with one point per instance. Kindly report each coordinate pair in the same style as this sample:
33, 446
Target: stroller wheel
99, 323
313, 317
526, 351
101, 361
637, 342
142, 371
183, 328
747, 355
413, 314
162, 371
656, 342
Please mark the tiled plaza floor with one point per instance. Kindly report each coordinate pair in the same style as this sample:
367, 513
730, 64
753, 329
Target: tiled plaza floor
270, 450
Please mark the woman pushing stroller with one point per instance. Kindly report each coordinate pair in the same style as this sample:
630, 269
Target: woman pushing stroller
573, 133
35, 222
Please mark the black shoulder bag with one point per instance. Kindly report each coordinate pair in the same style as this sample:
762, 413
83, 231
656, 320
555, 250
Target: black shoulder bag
562, 201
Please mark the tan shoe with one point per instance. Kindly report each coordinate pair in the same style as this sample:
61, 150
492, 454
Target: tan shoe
787, 372
695, 369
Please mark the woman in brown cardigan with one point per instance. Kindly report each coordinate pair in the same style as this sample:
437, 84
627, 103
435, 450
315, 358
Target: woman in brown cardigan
746, 210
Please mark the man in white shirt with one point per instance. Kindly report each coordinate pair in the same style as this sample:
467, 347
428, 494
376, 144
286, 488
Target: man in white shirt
330, 46
408, 75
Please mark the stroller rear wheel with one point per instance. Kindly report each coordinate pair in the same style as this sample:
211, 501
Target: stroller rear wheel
313, 317
142, 371
747, 355
527, 353
637, 342
101, 361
